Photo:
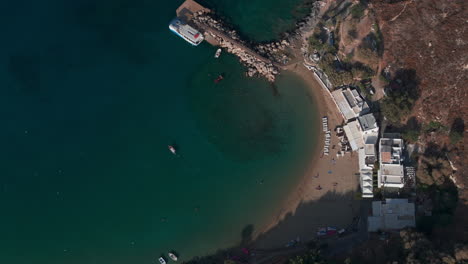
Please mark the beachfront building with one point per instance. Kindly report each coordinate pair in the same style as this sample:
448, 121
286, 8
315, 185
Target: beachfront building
354, 134
391, 214
367, 158
362, 135
359, 130
391, 172
350, 103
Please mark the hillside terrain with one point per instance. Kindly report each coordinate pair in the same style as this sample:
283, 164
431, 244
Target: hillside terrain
410, 59
430, 38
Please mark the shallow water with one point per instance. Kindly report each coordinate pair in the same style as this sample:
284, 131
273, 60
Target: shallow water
91, 95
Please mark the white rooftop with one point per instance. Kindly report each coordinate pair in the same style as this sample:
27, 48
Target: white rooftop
350, 103
392, 170
391, 173
354, 135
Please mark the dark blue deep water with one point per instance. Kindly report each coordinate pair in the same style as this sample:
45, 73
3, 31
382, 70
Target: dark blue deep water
91, 94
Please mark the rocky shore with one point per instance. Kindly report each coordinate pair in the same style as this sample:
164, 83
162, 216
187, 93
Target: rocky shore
264, 59
232, 43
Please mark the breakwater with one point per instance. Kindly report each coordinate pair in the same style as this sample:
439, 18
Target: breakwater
261, 59
218, 34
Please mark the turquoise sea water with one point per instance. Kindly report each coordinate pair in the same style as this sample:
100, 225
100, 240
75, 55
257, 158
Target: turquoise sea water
92, 92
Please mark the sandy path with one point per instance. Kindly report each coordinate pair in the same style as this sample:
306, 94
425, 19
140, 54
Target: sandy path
306, 208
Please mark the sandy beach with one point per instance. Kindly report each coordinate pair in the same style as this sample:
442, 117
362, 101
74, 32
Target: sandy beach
307, 208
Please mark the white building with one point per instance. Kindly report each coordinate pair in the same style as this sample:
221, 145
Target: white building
358, 130
393, 214
368, 125
350, 103
367, 158
354, 134
361, 131
391, 172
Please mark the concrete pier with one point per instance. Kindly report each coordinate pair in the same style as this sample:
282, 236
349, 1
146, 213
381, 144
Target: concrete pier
188, 9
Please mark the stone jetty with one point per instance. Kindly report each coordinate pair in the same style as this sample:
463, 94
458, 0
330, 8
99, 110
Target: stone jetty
220, 35
261, 59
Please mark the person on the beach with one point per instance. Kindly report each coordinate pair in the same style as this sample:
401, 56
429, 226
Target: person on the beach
335, 184
319, 187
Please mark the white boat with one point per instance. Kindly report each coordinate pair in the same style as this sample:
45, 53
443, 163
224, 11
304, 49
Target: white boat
172, 256
218, 53
186, 32
172, 149
162, 260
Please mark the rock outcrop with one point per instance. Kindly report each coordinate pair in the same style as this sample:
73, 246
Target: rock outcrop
230, 40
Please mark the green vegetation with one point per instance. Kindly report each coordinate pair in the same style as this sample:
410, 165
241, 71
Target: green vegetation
319, 42
436, 189
379, 39
411, 135
338, 77
361, 71
411, 131
401, 96
434, 126
455, 137
357, 11
444, 199
363, 90
396, 106
316, 42
369, 47
383, 79
456, 131
311, 257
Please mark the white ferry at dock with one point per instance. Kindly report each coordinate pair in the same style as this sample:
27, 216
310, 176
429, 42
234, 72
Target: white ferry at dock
186, 32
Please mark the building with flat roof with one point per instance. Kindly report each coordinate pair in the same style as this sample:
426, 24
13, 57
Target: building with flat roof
362, 135
391, 172
391, 214
359, 130
368, 124
354, 134
350, 103
367, 157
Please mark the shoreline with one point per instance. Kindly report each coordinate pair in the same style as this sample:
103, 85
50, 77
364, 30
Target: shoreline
292, 220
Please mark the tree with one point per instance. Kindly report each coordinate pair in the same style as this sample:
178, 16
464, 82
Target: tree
456, 131
311, 257
357, 11
401, 95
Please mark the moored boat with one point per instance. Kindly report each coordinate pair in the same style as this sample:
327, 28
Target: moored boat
172, 256
217, 80
162, 260
186, 32
218, 53
172, 149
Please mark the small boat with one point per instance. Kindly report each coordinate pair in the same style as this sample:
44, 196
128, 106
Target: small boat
217, 80
172, 256
218, 53
162, 260
172, 149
